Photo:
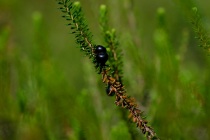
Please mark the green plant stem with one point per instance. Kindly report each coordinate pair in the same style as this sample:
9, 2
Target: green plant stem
200, 32
112, 79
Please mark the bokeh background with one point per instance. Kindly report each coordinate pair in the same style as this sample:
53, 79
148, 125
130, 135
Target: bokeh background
50, 90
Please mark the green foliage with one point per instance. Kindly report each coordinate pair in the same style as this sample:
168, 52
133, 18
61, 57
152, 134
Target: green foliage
73, 13
113, 80
200, 31
112, 45
119, 132
48, 90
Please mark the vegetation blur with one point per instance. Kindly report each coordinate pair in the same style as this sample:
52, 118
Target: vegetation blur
50, 90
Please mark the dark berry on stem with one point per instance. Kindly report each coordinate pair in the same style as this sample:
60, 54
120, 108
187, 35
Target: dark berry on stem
100, 49
101, 58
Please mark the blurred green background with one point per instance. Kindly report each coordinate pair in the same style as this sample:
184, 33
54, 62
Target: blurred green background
50, 90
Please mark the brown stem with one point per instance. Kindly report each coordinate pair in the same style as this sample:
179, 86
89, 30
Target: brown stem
128, 103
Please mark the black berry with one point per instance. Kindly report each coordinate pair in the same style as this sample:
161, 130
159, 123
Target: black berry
100, 49
101, 58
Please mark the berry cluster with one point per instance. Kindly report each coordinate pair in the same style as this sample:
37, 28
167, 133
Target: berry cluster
101, 57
